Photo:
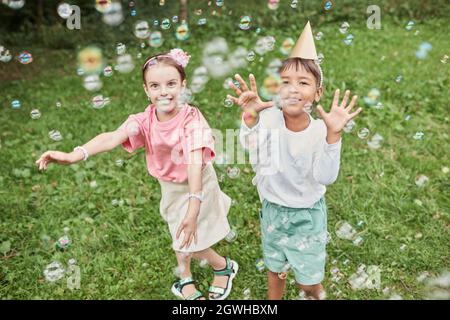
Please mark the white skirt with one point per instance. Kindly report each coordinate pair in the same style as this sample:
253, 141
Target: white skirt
212, 222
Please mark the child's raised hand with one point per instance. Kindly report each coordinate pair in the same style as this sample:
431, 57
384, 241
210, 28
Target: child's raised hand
248, 99
53, 156
339, 115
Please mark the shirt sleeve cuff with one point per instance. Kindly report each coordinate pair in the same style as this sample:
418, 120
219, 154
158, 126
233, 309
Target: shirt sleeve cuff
333, 146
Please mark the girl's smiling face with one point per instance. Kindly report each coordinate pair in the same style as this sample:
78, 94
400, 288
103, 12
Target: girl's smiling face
298, 89
163, 86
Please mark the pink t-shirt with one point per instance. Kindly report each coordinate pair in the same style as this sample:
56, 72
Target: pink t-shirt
167, 144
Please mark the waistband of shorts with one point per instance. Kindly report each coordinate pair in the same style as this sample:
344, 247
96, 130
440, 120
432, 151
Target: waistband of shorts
279, 207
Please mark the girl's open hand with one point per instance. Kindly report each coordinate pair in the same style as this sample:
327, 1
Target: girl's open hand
339, 115
248, 99
53, 156
189, 226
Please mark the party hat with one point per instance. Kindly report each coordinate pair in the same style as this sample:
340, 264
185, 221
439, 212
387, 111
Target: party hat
305, 47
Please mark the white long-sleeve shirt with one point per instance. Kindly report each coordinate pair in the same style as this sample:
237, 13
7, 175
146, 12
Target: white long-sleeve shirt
292, 168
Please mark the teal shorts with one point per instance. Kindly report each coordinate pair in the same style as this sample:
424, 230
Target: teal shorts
295, 239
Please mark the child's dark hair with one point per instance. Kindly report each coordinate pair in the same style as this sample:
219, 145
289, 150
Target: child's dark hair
167, 60
308, 64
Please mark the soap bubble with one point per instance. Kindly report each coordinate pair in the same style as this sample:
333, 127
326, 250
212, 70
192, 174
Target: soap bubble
363, 133
319, 35
54, 271
142, 29
25, 57
108, 71
320, 57
35, 114
5, 55
349, 126
233, 172
102, 5
90, 59
55, 135
372, 97
328, 5
294, 4
344, 27
182, 32
228, 103
287, 46
201, 21
15, 104
15, 4
113, 15
92, 83
99, 101
124, 63
63, 243
260, 265
421, 180
345, 231
410, 25
245, 23
64, 10
165, 24
438, 288
156, 39
375, 142
246, 293
418, 135
120, 48
231, 236
273, 4
119, 163
348, 39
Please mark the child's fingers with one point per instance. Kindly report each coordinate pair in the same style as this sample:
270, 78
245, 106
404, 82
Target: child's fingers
241, 82
235, 88
336, 98
352, 104
345, 99
253, 83
189, 240
180, 228
354, 114
321, 111
234, 99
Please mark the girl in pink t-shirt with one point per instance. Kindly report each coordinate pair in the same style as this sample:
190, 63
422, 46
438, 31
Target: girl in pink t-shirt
179, 148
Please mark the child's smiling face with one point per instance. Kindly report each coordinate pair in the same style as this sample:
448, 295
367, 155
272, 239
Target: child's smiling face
298, 89
163, 86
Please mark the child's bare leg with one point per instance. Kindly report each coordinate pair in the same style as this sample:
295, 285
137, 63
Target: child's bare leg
184, 268
314, 291
216, 261
276, 286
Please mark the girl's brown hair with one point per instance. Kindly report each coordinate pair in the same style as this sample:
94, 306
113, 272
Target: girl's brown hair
167, 60
308, 64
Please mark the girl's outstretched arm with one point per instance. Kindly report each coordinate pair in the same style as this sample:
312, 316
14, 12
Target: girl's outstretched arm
103, 142
189, 223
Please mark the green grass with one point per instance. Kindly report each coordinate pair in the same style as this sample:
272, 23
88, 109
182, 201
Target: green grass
124, 252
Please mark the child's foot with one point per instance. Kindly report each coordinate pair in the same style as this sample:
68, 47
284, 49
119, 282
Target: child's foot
185, 289
223, 280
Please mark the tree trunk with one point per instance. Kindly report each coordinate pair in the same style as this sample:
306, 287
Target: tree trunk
184, 10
